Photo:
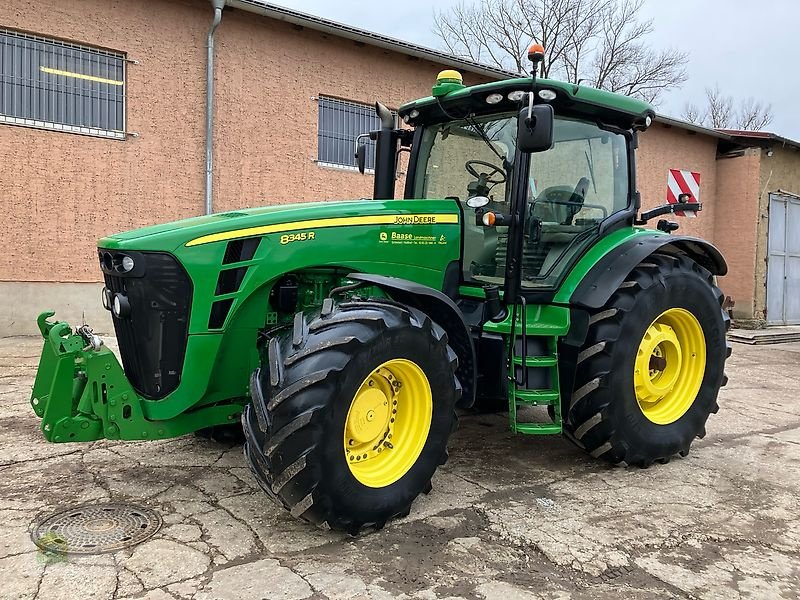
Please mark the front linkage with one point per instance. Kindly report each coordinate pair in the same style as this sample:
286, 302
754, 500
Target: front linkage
81, 393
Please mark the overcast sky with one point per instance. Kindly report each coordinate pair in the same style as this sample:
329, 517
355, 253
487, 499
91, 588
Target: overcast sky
749, 48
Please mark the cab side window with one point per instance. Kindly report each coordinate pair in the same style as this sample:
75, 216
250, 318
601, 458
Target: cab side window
573, 187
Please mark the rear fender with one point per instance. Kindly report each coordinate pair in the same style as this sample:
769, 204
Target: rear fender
441, 309
610, 271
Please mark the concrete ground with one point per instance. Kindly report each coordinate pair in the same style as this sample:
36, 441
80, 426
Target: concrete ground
509, 517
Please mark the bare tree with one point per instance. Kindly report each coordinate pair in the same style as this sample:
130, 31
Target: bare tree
719, 112
601, 43
754, 116
692, 114
720, 108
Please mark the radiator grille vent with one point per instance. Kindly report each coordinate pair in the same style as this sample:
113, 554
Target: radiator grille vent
219, 312
240, 250
229, 280
152, 340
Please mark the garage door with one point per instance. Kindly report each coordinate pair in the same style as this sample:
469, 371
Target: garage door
783, 268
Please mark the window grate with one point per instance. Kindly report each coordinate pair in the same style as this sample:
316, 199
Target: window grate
340, 124
62, 86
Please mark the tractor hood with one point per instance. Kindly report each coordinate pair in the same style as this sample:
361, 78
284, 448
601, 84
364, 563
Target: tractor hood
243, 223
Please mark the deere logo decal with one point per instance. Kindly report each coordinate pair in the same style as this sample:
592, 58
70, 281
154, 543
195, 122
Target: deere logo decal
415, 220
383, 236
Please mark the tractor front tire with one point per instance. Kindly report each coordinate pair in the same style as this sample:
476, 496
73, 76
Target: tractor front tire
648, 376
351, 413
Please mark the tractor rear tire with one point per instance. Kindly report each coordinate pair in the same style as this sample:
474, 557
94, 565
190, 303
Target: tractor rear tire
351, 413
649, 373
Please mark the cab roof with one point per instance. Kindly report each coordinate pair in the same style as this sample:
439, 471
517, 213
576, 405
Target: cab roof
607, 107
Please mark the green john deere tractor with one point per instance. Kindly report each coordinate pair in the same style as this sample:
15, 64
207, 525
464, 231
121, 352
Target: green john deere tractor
514, 272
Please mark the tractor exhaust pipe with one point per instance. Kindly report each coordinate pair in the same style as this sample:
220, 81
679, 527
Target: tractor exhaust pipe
385, 154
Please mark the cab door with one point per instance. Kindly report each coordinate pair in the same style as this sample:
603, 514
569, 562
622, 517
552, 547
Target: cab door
561, 198
463, 160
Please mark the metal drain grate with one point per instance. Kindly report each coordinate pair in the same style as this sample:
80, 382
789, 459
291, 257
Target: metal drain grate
95, 528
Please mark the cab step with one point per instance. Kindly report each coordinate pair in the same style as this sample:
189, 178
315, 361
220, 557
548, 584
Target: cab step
536, 397
536, 361
538, 428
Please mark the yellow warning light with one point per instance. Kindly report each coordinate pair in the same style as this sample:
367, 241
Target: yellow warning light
447, 81
449, 76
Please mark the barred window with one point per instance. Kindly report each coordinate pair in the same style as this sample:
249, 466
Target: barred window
57, 85
340, 123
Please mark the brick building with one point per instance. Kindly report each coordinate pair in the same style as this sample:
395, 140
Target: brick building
103, 129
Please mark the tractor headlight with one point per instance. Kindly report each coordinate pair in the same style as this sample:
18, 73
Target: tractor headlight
120, 306
516, 95
547, 95
494, 98
106, 298
123, 263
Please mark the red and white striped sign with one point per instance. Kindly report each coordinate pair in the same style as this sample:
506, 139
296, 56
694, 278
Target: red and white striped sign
683, 182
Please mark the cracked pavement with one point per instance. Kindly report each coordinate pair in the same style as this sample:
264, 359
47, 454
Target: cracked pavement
511, 517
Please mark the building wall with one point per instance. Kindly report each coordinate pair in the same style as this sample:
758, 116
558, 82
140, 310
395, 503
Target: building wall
68, 190
662, 148
781, 171
269, 76
65, 190
736, 228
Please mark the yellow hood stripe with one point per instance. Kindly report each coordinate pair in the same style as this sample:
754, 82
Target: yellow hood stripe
393, 219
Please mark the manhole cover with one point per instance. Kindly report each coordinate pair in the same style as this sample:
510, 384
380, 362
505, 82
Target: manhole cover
95, 528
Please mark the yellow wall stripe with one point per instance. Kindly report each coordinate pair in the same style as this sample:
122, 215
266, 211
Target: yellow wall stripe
79, 76
393, 219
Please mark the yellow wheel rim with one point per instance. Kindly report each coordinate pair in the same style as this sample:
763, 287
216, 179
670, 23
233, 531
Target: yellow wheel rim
670, 364
388, 422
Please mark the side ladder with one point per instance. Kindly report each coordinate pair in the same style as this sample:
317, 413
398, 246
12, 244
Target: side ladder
533, 370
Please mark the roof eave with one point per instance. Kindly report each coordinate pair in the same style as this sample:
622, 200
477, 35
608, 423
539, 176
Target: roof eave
301, 19
762, 138
680, 124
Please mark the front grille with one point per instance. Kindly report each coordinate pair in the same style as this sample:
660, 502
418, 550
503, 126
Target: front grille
152, 339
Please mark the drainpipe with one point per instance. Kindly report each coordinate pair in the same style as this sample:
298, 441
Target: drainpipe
218, 5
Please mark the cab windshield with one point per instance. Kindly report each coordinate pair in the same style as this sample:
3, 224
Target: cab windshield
453, 151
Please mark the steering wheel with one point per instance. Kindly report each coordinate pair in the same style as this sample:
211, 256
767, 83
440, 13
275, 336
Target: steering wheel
487, 176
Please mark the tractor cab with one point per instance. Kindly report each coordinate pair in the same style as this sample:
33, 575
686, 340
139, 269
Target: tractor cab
530, 209
564, 193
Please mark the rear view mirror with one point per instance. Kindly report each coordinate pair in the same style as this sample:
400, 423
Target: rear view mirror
361, 152
535, 133
361, 157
